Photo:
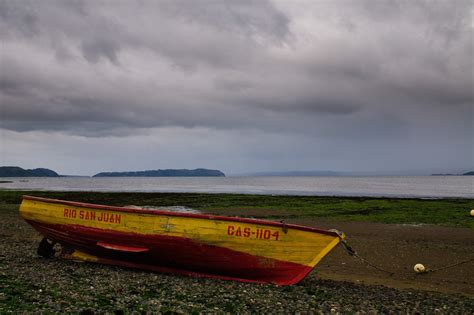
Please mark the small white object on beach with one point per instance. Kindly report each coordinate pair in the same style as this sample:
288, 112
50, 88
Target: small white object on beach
419, 268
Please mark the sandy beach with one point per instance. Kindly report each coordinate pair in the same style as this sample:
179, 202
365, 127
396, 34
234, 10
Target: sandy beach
397, 248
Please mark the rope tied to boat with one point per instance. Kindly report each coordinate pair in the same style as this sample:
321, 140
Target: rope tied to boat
352, 252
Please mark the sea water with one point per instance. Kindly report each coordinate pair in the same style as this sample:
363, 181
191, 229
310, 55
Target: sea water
376, 186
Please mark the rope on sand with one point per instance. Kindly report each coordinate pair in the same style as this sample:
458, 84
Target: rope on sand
450, 266
350, 250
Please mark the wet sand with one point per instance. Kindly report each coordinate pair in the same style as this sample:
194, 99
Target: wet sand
397, 248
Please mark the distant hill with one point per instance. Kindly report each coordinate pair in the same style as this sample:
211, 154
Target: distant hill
15, 171
296, 173
200, 172
465, 174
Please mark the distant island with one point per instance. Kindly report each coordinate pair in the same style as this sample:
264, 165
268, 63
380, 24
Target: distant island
200, 172
15, 171
465, 174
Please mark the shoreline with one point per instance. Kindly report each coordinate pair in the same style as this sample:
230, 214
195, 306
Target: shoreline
250, 194
339, 283
296, 194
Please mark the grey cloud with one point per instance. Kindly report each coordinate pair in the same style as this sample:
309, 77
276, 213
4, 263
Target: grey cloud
308, 104
94, 49
18, 17
253, 18
121, 67
325, 107
185, 32
233, 84
10, 87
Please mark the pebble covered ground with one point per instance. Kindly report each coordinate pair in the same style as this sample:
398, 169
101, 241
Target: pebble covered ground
29, 283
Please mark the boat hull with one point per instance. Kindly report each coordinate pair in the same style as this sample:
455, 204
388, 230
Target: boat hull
189, 244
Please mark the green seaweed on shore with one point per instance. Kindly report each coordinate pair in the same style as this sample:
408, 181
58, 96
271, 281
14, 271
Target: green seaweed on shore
444, 212
15, 294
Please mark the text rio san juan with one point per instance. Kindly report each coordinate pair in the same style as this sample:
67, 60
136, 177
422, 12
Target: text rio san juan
91, 215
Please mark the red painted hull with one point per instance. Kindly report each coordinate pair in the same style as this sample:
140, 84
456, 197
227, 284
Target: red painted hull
192, 244
174, 255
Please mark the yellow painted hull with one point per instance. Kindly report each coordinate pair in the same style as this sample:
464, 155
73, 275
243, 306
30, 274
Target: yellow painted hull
223, 247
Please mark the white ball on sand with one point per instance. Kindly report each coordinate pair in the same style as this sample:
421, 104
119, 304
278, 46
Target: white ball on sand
419, 268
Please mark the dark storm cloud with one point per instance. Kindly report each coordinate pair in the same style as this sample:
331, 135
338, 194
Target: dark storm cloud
97, 68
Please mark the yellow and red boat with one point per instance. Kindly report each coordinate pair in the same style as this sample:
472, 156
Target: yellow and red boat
182, 243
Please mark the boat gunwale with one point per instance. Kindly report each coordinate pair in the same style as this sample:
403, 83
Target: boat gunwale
180, 214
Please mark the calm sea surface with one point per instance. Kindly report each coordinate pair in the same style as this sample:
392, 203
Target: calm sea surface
396, 186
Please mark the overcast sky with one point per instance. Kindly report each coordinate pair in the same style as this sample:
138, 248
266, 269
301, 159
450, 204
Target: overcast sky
240, 86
